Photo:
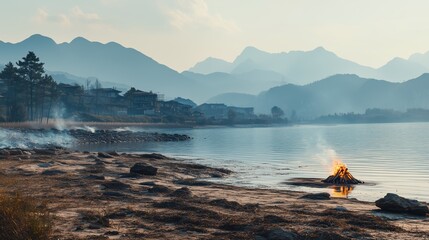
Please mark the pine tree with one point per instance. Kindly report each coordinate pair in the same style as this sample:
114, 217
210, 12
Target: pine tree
31, 70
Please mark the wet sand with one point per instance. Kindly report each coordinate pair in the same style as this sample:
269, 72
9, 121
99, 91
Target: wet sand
94, 196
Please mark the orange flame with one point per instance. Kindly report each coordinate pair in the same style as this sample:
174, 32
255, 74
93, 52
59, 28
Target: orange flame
339, 167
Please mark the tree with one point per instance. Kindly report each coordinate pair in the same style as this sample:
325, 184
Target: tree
277, 112
14, 95
31, 71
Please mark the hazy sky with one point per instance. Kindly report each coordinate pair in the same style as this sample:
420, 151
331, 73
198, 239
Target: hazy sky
180, 33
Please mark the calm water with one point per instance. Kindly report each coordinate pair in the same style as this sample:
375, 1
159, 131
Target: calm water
395, 157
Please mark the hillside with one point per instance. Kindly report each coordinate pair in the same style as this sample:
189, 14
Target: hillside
337, 94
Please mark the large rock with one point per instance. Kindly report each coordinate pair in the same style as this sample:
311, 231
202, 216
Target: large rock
144, 169
317, 196
104, 155
280, 234
394, 203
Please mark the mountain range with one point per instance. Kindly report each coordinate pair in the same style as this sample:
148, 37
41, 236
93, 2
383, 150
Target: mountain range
303, 67
340, 93
256, 78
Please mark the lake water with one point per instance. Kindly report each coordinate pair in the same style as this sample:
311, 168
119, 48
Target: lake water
391, 157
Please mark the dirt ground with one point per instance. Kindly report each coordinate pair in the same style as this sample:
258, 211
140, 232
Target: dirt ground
96, 197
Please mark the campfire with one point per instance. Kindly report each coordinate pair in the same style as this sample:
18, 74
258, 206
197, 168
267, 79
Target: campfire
341, 175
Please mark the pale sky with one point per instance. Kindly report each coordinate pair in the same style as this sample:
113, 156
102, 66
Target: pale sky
179, 33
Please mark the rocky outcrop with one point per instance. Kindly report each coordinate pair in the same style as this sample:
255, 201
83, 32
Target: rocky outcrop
109, 136
144, 169
394, 203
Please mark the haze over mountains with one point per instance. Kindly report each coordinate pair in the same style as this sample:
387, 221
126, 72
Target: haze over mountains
255, 78
341, 93
303, 67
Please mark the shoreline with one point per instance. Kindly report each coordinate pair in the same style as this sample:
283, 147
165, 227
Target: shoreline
94, 196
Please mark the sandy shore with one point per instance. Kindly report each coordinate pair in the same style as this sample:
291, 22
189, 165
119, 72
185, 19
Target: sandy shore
94, 196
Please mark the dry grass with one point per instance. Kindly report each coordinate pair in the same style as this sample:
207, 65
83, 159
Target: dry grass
22, 218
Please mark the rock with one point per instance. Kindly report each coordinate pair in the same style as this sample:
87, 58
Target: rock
116, 185
153, 156
15, 152
113, 153
104, 155
317, 196
111, 233
183, 192
44, 165
4, 152
52, 172
280, 234
394, 203
192, 182
341, 209
49, 151
148, 183
144, 169
79, 228
113, 194
159, 189
95, 177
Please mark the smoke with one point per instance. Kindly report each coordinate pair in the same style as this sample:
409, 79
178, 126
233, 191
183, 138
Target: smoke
127, 129
58, 115
30, 139
326, 155
86, 128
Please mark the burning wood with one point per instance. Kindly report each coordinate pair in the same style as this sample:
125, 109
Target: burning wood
341, 175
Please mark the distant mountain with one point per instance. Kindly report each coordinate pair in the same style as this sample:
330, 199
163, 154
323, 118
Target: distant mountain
67, 78
337, 94
420, 58
303, 67
399, 68
109, 62
251, 82
211, 65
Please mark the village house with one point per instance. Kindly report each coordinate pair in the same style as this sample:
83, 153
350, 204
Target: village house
243, 113
213, 110
173, 108
105, 101
220, 111
142, 103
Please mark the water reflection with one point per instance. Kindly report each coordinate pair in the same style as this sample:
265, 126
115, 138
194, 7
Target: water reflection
342, 191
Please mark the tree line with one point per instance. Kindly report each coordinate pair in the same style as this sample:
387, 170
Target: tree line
29, 93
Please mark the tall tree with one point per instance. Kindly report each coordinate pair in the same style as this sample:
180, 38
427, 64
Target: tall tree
12, 92
31, 70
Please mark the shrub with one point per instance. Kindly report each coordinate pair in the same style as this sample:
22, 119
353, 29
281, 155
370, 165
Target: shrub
23, 218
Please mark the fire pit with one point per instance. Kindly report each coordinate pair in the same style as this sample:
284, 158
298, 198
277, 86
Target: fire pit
341, 175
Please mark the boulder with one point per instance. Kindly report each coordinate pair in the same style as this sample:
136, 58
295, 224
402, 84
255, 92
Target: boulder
395, 203
153, 156
159, 189
116, 185
104, 155
144, 169
183, 192
280, 234
113, 153
15, 152
317, 196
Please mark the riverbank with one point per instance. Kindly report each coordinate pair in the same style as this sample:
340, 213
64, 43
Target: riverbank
94, 196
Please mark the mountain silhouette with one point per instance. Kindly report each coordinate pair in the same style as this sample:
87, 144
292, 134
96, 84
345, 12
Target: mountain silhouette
110, 62
303, 67
340, 93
